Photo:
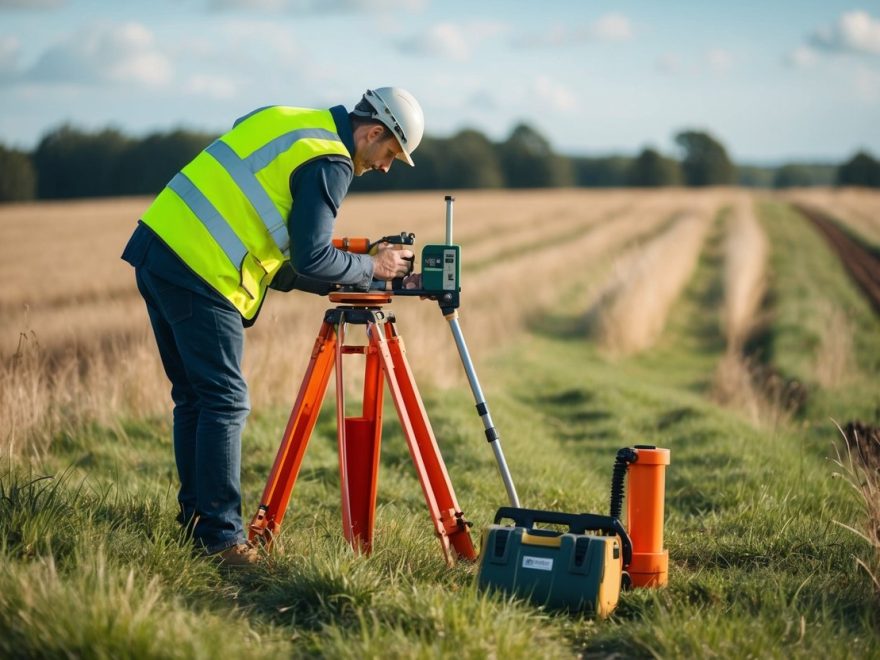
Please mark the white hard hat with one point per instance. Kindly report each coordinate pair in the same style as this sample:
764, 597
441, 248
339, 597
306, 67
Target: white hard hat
401, 113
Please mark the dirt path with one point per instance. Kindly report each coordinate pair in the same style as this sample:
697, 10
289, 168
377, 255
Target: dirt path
863, 266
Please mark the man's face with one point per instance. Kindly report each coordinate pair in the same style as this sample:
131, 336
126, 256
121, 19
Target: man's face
374, 152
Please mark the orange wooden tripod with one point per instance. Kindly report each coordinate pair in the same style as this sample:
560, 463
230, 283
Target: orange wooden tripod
360, 437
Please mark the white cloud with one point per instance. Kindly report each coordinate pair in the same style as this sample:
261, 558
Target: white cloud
276, 41
719, 60
214, 87
553, 94
104, 53
613, 27
442, 40
450, 40
854, 32
609, 27
317, 6
251, 5
713, 62
250, 58
240, 44
802, 57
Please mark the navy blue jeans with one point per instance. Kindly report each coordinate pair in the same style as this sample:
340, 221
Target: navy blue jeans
201, 343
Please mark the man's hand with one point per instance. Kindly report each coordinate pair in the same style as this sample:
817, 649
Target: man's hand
389, 262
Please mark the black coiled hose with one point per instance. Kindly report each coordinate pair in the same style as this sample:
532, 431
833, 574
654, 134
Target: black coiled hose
625, 456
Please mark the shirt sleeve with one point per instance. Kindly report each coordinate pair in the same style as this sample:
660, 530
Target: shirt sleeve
318, 189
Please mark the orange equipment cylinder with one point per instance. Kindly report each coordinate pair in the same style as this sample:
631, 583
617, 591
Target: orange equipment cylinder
356, 245
646, 495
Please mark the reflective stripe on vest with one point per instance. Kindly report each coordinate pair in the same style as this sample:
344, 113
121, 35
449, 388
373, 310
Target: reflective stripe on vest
225, 213
201, 206
246, 181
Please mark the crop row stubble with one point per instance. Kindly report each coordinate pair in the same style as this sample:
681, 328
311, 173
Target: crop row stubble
630, 311
744, 284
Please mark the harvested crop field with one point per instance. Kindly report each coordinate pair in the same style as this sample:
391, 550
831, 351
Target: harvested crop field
75, 341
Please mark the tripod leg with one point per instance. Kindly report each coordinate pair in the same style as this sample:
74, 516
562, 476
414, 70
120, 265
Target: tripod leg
273, 504
360, 439
449, 523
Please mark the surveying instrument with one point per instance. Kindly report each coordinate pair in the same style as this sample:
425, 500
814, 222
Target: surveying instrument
359, 437
565, 561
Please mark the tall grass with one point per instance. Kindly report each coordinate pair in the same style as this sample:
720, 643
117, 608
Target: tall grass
80, 578
631, 312
103, 610
835, 359
858, 456
745, 263
739, 381
44, 394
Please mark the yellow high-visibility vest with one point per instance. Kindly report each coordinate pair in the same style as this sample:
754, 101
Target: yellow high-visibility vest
225, 213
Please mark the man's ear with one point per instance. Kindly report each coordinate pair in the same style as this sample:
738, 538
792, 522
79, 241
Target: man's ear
375, 133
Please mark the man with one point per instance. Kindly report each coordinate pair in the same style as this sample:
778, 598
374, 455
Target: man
254, 210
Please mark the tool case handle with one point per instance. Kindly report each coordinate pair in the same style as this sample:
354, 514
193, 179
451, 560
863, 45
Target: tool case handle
577, 523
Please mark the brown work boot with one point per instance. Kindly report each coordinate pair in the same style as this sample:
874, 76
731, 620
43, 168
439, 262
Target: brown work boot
241, 555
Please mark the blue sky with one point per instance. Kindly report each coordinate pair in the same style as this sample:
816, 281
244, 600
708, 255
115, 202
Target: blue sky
774, 81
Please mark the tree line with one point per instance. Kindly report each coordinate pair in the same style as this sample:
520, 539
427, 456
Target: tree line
69, 162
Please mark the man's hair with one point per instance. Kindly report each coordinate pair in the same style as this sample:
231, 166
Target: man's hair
360, 120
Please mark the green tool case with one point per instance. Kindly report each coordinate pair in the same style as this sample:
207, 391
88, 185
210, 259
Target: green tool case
578, 570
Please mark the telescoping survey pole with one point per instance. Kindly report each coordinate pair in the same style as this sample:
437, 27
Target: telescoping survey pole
451, 315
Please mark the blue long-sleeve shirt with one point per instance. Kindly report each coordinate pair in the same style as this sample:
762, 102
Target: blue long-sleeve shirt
318, 188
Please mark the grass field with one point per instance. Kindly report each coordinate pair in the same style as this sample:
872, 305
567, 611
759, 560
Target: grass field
716, 323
